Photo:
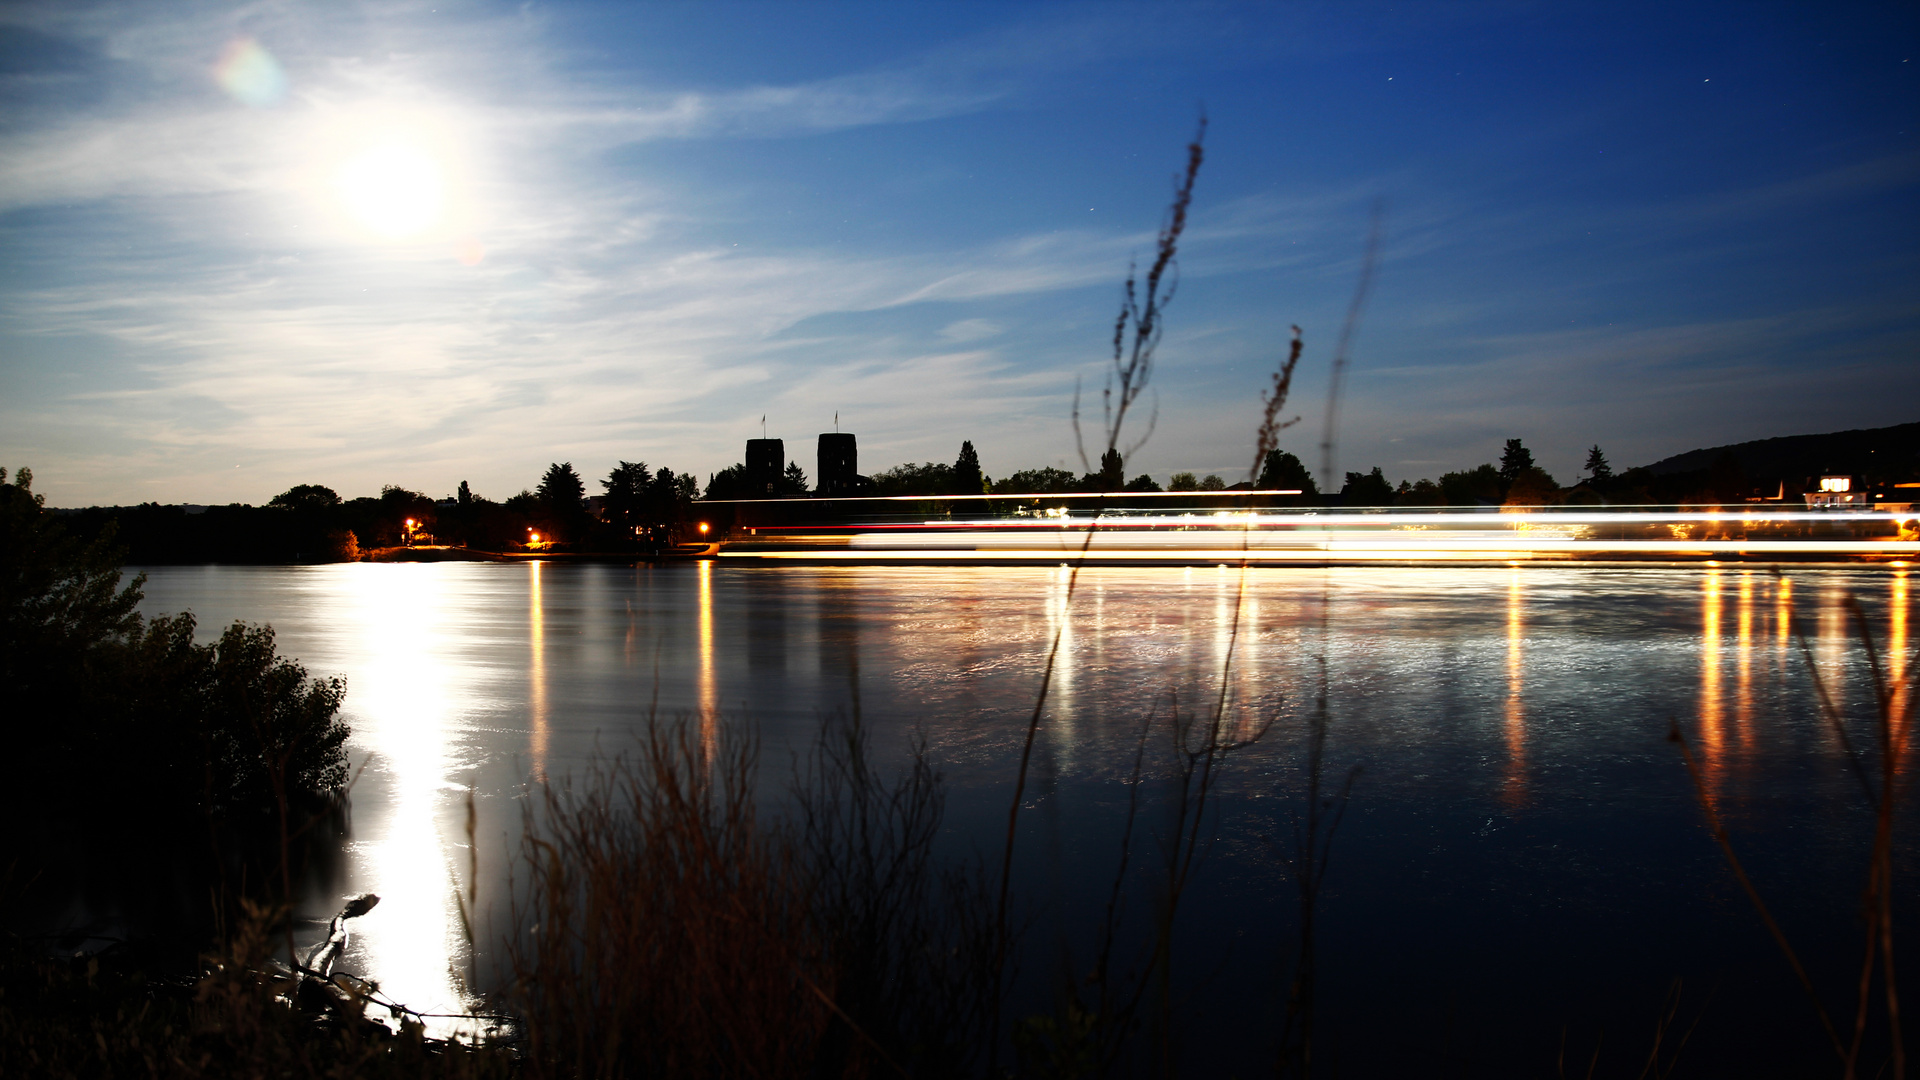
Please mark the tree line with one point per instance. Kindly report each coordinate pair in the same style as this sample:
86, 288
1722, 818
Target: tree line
1517, 480
640, 509
645, 510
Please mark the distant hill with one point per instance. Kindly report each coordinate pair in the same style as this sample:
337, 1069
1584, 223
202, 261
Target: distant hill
1875, 455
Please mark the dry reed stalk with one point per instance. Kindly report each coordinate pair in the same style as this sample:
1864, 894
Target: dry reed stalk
1140, 310
677, 930
1312, 847
1137, 328
666, 930
1272, 401
1348, 330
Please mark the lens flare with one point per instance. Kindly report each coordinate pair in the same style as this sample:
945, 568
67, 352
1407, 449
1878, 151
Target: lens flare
250, 74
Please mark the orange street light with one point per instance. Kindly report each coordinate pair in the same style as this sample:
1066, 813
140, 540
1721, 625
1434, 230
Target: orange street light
534, 537
703, 526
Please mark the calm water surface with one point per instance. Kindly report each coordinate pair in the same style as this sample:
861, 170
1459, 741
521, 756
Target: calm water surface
1523, 853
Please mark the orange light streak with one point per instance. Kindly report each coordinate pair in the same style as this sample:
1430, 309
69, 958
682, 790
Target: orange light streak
709, 683
1897, 646
1516, 718
1713, 734
1743, 709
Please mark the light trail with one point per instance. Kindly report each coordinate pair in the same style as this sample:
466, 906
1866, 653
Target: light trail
1268, 536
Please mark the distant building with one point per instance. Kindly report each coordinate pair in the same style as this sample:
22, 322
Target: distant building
766, 460
839, 464
1838, 493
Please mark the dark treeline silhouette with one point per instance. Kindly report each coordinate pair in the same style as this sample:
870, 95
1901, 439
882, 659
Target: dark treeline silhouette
1769, 470
640, 511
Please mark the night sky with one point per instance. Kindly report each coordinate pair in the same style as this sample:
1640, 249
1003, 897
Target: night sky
248, 246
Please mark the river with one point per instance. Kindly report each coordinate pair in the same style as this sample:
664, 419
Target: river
1523, 853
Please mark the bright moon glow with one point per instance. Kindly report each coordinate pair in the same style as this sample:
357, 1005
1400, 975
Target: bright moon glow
394, 190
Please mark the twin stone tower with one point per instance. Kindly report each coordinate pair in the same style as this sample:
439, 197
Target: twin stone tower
838, 473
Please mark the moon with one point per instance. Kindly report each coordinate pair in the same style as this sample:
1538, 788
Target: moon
394, 190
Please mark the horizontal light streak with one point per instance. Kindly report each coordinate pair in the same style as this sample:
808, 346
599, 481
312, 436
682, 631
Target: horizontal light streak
1265, 536
945, 547
1242, 519
1031, 496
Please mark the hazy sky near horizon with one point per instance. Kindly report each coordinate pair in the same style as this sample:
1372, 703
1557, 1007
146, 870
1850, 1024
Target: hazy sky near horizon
249, 246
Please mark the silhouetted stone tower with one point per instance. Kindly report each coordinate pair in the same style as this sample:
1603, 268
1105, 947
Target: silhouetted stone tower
839, 463
766, 460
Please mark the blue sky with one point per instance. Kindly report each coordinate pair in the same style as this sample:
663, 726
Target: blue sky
249, 246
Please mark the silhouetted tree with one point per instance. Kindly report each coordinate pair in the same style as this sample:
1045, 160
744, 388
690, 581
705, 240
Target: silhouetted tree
1478, 486
626, 492
562, 491
1423, 492
1367, 489
465, 498
926, 478
793, 481
380, 522
1597, 467
731, 482
1533, 487
967, 479
306, 497
1283, 472
1143, 482
1514, 460
159, 721
1183, 481
60, 599
1112, 475
1212, 482
1045, 481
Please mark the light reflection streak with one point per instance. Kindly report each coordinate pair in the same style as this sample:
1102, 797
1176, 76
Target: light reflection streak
1713, 735
1743, 715
1516, 712
402, 697
709, 689
1783, 616
1830, 643
1226, 593
1901, 702
1060, 622
1247, 667
538, 732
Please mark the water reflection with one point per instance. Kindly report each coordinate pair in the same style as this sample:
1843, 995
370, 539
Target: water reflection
709, 711
1712, 725
537, 716
402, 698
1441, 681
1516, 712
1901, 702
1059, 627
